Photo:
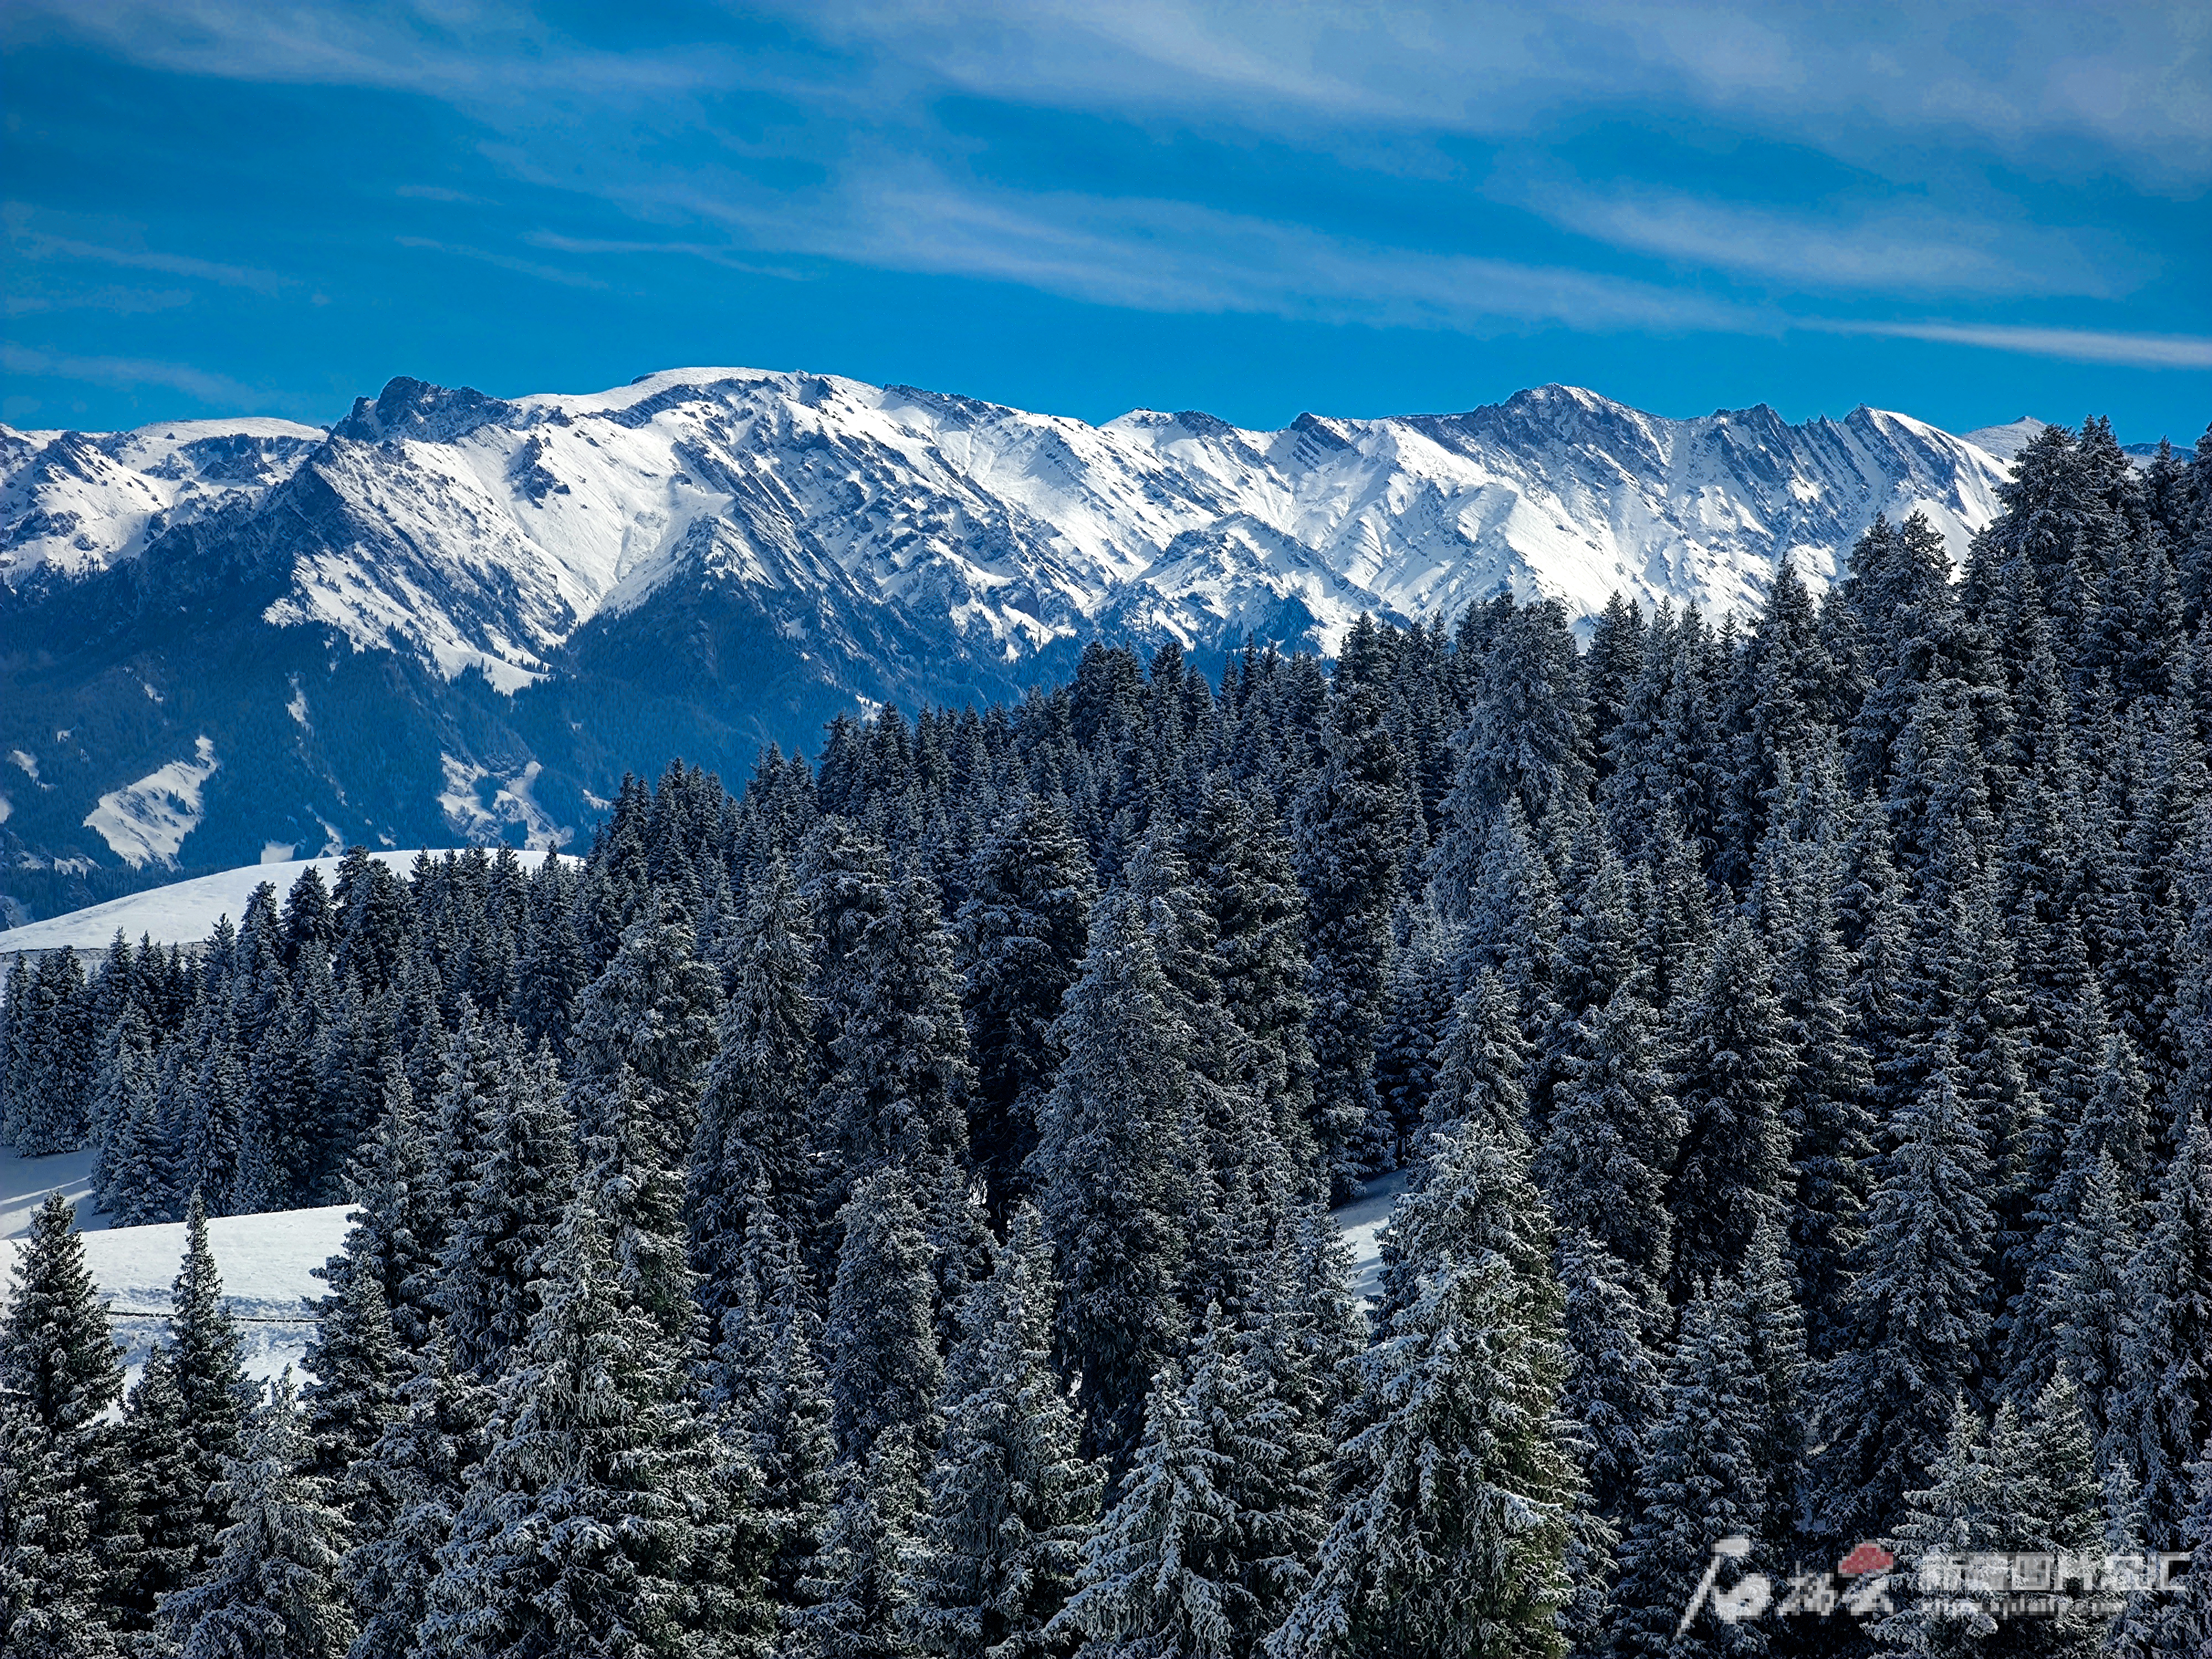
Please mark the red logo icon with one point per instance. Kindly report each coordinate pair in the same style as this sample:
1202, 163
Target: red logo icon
1866, 1557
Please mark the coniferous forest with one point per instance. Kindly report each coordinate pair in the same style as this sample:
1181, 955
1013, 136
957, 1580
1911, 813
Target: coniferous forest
886, 1212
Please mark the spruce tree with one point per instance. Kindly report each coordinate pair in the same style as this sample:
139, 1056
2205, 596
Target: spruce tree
1479, 1067
1604, 1162
1206, 1548
1109, 1165
1022, 935
167, 1489
857, 1602
1729, 1068
1703, 1481
2166, 1408
411, 1486
789, 1416
2017, 1485
505, 1212
1009, 1498
207, 1370
52, 1600
356, 1365
884, 1368
271, 1589
1349, 828
1918, 1311
1455, 1516
607, 1516
756, 1118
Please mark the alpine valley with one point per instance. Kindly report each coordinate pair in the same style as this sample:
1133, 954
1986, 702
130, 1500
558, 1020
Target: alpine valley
452, 616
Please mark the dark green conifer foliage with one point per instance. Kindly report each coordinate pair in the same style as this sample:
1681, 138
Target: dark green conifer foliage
1457, 1501
1730, 1066
1009, 1498
1918, 1305
608, 1516
1112, 1179
1022, 934
755, 1126
1349, 830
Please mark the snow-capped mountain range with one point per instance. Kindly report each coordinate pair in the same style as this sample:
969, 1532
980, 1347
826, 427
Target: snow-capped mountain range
452, 613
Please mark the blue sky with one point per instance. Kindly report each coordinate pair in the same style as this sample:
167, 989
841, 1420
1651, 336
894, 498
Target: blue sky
1965, 212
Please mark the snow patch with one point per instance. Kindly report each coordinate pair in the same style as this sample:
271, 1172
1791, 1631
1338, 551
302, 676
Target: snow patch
511, 804
28, 761
146, 821
7, 809
297, 708
277, 852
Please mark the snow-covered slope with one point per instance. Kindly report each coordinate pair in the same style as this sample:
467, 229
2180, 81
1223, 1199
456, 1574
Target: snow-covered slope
267, 1263
184, 912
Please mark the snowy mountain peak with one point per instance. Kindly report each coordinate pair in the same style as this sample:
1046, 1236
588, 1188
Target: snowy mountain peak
481, 533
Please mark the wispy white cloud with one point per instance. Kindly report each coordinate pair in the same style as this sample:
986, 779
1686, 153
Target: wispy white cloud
1885, 249
1156, 255
2074, 344
504, 261
30, 242
129, 372
120, 302
713, 253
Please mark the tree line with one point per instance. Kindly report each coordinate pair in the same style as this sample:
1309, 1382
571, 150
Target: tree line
886, 1213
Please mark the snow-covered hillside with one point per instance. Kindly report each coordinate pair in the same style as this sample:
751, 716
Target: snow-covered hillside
186, 911
267, 1263
76, 501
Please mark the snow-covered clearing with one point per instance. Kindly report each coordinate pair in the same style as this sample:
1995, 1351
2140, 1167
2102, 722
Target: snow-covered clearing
1361, 1222
184, 911
267, 1263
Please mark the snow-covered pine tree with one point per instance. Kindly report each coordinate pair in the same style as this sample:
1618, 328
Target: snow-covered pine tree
856, 1600
787, 1412
1479, 1067
1729, 1068
1022, 935
414, 1479
506, 1211
608, 1515
1421, 1002
1242, 862
63, 1516
52, 1604
2015, 1486
1349, 828
755, 1125
1009, 1498
1109, 1163
1703, 1481
273, 1586
356, 1365
1456, 1490
400, 1215
645, 1033
1604, 1162
1206, 1548
884, 1368
2167, 1404
1918, 1310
